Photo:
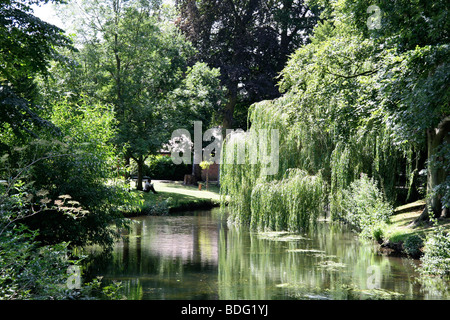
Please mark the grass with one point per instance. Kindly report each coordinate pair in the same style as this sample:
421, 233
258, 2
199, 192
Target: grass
401, 229
178, 197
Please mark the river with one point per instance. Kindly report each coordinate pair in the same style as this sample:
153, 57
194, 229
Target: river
196, 255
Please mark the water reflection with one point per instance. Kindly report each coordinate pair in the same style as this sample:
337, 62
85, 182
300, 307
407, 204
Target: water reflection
197, 256
328, 263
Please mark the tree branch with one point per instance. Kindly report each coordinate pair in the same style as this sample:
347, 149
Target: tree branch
34, 162
355, 75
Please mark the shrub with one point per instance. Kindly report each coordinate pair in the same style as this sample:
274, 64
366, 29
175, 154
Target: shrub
412, 245
378, 232
28, 269
436, 258
364, 207
78, 164
161, 167
160, 208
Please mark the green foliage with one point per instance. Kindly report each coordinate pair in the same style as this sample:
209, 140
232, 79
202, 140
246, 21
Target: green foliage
28, 268
363, 206
77, 167
441, 161
378, 232
436, 258
258, 200
413, 245
160, 208
373, 152
359, 100
133, 58
20, 119
161, 167
199, 96
28, 46
29, 271
249, 41
292, 203
28, 43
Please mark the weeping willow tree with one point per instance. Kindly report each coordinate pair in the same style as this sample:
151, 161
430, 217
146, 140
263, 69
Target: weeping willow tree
292, 203
336, 123
357, 101
289, 198
373, 153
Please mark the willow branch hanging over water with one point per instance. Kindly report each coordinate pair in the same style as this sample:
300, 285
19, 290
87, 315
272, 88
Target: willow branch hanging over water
290, 198
293, 203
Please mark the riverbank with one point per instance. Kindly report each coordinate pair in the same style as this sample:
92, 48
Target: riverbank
174, 196
402, 238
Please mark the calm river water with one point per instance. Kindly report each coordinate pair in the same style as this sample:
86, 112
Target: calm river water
197, 256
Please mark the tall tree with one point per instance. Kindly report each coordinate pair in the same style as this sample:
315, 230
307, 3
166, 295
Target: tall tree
359, 99
249, 40
27, 47
407, 71
134, 59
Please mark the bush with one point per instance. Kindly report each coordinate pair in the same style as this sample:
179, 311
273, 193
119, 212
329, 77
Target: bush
28, 269
162, 168
364, 207
70, 180
160, 208
412, 245
436, 260
378, 232
78, 165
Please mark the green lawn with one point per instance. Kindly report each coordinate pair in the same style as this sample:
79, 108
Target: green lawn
404, 215
180, 197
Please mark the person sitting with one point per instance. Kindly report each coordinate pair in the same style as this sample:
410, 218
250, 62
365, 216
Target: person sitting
149, 187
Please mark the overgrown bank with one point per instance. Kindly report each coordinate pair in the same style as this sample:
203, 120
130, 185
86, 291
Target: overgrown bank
405, 238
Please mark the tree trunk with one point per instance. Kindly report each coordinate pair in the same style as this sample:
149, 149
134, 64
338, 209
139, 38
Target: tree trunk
196, 170
435, 174
414, 183
140, 164
229, 108
127, 166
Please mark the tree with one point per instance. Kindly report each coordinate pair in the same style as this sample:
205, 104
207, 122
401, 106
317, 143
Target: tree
248, 40
360, 100
134, 59
27, 47
416, 97
415, 84
405, 65
27, 43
